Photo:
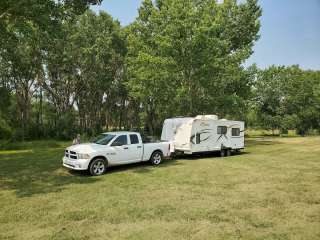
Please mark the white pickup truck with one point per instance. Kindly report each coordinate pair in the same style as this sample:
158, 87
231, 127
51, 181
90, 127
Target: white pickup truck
114, 148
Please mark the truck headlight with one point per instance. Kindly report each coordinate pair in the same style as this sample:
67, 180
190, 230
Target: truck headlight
83, 156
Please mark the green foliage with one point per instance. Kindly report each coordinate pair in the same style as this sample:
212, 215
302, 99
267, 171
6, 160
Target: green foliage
66, 70
287, 98
99, 56
28, 30
42, 13
4, 99
188, 54
5, 129
269, 96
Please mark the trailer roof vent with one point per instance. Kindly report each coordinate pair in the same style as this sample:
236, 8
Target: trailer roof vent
207, 117
211, 117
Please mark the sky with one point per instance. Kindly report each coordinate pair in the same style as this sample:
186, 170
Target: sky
289, 33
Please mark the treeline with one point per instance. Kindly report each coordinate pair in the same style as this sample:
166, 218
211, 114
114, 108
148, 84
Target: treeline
69, 70
285, 98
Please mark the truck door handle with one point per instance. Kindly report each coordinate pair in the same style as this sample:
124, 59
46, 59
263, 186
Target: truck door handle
125, 148
139, 147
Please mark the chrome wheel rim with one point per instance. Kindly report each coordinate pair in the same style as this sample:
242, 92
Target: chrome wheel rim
157, 158
98, 168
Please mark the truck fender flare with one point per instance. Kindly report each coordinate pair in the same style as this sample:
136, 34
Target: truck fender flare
102, 157
157, 150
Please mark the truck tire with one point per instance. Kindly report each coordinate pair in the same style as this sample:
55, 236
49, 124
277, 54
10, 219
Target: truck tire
156, 158
97, 167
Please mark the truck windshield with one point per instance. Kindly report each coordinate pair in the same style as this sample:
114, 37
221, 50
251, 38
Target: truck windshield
103, 139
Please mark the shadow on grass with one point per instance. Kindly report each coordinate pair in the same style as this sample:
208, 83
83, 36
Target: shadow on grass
36, 172
215, 155
29, 145
262, 142
141, 167
40, 171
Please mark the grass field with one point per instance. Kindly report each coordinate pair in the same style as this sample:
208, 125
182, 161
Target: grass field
271, 191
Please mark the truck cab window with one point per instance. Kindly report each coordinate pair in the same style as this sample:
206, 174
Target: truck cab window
236, 132
134, 139
222, 130
103, 139
120, 141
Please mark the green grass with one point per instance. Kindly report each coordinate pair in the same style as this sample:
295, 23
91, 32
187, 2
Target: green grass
272, 191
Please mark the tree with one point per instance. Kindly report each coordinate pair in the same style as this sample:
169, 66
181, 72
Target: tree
188, 54
45, 15
99, 50
286, 98
22, 66
5, 102
301, 99
50, 10
26, 27
270, 96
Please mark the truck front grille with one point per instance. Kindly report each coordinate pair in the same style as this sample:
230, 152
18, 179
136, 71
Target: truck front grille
71, 154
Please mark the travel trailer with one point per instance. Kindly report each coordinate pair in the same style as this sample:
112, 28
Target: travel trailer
204, 133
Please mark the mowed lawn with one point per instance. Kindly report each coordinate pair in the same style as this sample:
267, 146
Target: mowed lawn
271, 191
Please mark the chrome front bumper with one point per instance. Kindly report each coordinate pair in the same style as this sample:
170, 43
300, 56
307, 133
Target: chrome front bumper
79, 164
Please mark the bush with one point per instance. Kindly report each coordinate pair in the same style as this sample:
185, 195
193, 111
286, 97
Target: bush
5, 129
66, 126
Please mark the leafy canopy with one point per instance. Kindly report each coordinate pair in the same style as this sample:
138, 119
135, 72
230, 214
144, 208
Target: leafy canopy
188, 55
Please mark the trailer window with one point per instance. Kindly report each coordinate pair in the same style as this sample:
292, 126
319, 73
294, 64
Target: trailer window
134, 139
222, 130
197, 138
235, 131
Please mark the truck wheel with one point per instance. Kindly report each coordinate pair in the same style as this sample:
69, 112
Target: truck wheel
156, 158
97, 167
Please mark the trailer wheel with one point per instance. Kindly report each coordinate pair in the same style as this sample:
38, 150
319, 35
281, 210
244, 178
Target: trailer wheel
237, 151
228, 152
156, 158
222, 153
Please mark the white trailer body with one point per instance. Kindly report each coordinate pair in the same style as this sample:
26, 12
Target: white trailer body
170, 127
205, 133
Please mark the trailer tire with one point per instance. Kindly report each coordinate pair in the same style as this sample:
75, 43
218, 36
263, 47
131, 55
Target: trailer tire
156, 158
228, 152
238, 151
222, 153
